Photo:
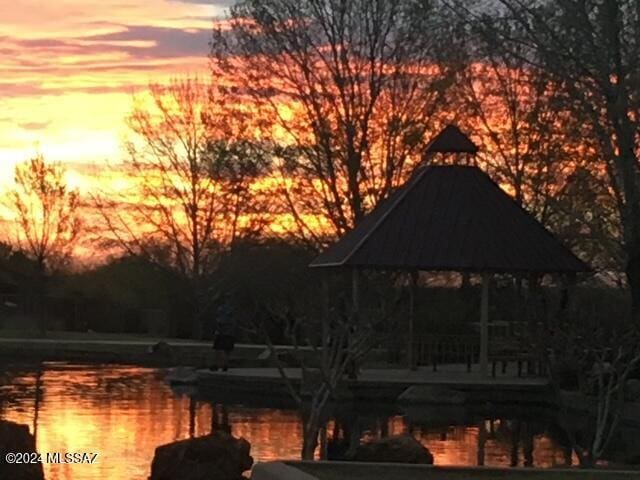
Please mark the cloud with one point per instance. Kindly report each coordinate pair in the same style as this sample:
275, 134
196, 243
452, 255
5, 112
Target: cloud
140, 41
16, 91
166, 41
77, 62
42, 66
34, 125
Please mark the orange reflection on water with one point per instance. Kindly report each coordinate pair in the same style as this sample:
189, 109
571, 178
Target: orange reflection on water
124, 413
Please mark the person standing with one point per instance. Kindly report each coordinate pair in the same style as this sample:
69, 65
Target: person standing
224, 337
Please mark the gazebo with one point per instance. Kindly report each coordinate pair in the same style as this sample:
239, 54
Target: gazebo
451, 218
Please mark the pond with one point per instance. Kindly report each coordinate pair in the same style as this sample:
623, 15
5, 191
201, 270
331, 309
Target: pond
123, 413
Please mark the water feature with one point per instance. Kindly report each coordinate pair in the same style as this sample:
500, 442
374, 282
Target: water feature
123, 413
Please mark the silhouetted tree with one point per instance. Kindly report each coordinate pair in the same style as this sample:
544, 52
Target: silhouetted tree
330, 337
46, 212
592, 50
350, 89
533, 145
192, 179
601, 355
46, 217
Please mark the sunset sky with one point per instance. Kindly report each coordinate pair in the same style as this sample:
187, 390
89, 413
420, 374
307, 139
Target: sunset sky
70, 68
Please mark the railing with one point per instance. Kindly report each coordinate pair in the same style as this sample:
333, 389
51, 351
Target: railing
436, 350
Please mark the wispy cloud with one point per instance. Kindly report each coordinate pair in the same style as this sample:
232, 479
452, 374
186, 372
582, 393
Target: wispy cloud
34, 125
77, 62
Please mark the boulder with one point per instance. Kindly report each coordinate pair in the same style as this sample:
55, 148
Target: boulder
218, 456
431, 394
396, 449
15, 437
182, 376
161, 350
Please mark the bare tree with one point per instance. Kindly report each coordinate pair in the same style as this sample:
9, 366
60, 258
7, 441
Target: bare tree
47, 221
536, 148
350, 87
46, 210
592, 49
330, 337
192, 177
602, 357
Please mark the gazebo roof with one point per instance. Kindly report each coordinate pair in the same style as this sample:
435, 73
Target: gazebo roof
451, 140
451, 218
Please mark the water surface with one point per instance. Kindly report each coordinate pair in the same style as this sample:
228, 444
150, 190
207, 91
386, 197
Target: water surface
123, 413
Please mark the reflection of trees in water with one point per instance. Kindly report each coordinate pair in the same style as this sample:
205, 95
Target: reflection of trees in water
37, 399
94, 384
17, 387
22, 389
511, 436
514, 439
349, 426
220, 418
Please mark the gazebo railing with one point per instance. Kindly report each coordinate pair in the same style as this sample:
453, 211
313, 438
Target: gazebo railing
436, 350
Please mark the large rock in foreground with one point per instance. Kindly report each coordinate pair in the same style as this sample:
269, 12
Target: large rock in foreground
15, 437
396, 449
213, 457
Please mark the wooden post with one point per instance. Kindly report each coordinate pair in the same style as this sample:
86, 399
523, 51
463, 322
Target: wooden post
484, 326
193, 407
325, 321
355, 290
482, 442
352, 368
412, 314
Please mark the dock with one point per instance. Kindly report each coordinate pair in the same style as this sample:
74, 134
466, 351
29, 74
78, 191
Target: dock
383, 384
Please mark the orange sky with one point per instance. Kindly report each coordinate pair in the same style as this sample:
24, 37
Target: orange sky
70, 67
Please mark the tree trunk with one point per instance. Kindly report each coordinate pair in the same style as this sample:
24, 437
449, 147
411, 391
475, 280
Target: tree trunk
632, 271
585, 459
310, 439
312, 423
40, 295
198, 302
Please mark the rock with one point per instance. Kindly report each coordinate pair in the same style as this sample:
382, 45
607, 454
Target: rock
396, 449
182, 376
15, 437
161, 350
435, 394
632, 393
212, 457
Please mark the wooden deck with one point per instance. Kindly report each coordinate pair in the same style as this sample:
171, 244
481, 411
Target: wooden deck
386, 384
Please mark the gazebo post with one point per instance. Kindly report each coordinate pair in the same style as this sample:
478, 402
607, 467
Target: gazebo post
325, 320
484, 326
412, 315
355, 298
355, 291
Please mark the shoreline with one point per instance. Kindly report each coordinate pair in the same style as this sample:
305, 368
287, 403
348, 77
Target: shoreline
123, 350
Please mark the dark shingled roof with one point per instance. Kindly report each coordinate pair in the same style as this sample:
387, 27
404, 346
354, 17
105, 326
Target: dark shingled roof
451, 140
451, 218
